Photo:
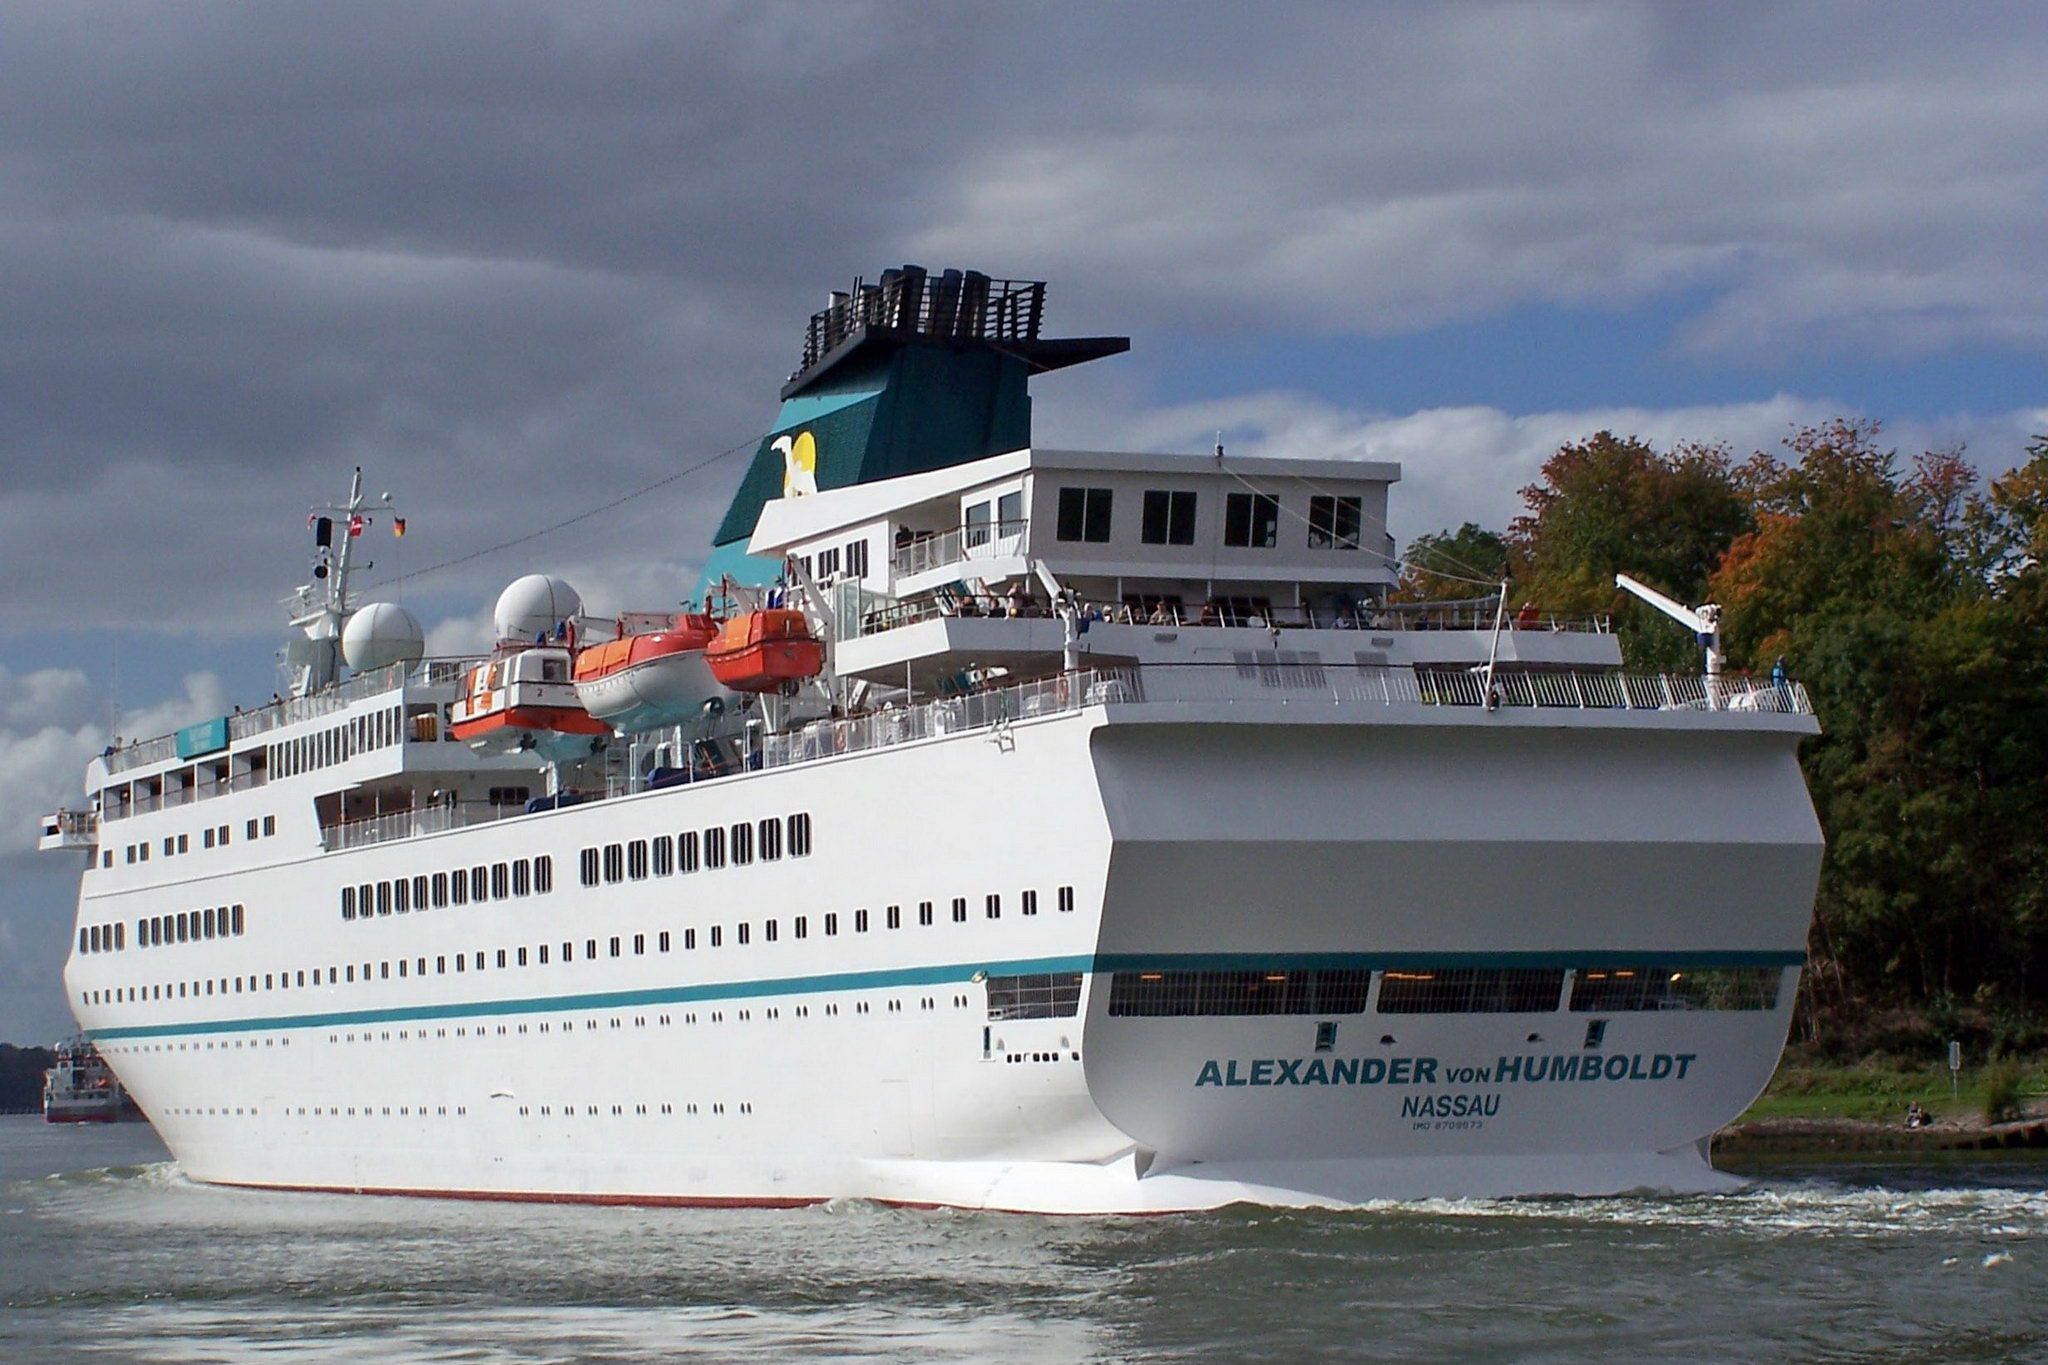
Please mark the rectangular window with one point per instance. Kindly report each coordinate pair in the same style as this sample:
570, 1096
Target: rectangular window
522, 878
1251, 520
1083, 515
1029, 901
614, 862
959, 909
544, 874
1333, 523
857, 558
716, 935
477, 890
636, 860
770, 831
860, 921
1066, 899
440, 890
639, 944
1169, 518
589, 865
590, 949
1159, 994
664, 855
401, 896
1039, 995
184, 843
207, 840
458, 889
974, 523
686, 851
522, 957
924, 913
501, 957
235, 913
664, 940
895, 917
419, 891
831, 923
828, 564
383, 898
768, 931
348, 902
1471, 990
742, 843
252, 829
803, 926
689, 939
799, 836
543, 954
269, 825
992, 906
1617, 989
714, 847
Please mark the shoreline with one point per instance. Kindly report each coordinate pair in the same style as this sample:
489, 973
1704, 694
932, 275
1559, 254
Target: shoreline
1831, 1136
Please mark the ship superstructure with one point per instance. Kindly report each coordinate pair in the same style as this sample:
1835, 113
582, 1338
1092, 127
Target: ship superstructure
1004, 827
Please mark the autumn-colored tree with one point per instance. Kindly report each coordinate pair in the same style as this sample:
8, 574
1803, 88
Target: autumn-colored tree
1612, 504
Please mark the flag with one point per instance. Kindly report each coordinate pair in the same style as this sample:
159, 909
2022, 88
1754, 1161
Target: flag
356, 524
398, 526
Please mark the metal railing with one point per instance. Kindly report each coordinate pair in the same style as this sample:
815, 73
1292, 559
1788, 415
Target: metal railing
262, 720
404, 824
951, 304
1282, 683
986, 540
950, 602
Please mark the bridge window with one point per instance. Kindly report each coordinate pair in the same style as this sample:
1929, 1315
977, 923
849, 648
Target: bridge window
1333, 523
1169, 518
1084, 515
1251, 521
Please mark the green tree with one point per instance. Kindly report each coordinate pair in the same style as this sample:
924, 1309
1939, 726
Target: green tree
1452, 565
1612, 504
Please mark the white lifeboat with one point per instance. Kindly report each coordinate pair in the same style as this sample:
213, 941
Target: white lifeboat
524, 699
650, 680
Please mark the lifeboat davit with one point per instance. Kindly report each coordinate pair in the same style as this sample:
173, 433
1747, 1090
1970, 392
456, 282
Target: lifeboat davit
760, 651
644, 682
524, 700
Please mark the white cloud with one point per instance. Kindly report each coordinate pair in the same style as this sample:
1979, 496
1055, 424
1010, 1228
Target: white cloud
1470, 463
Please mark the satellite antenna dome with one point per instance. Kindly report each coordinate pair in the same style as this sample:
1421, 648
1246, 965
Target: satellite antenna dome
534, 605
381, 634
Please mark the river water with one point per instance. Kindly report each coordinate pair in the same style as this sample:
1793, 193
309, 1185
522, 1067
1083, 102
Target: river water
107, 1253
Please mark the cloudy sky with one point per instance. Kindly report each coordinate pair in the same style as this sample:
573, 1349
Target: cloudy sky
519, 260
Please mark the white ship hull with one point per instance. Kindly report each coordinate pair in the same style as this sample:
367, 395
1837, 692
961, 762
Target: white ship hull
864, 1062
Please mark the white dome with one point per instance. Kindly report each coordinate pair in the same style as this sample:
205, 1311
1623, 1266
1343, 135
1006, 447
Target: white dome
380, 634
532, 605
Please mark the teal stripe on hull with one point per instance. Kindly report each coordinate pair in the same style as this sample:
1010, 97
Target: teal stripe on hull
953, 972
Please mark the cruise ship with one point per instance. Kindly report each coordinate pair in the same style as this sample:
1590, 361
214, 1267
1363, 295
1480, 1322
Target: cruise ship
997, 827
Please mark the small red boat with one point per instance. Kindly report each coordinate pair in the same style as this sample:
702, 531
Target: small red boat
760, 651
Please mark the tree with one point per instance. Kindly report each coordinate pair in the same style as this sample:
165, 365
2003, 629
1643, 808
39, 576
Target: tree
1452, 565
1609, 505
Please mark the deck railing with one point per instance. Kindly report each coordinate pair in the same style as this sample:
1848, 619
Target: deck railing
404, 824
984, 540
262, 720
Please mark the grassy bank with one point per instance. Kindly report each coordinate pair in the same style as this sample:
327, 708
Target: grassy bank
1878, 1090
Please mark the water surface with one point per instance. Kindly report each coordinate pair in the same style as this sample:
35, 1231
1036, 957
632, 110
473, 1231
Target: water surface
107, 1253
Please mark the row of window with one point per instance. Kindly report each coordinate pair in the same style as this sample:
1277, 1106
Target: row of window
438, 890
152, 931
666, 855
826, 564
337, 743
1250, 520
1026, 992
1035, 995
213, 836
1450, 990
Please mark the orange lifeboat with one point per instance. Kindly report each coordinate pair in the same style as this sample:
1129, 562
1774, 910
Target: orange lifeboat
759, 651
641, 682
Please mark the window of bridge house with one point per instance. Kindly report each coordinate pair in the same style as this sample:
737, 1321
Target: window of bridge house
1168, 517
1251, 521
1333, 523
1084, 515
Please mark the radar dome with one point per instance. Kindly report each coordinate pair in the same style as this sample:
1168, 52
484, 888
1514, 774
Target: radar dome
534, 605
380, 634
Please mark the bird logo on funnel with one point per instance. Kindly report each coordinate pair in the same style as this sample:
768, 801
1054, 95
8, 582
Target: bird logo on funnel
799, 464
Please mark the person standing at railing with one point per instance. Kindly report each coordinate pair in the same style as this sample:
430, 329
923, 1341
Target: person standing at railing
1779, 680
